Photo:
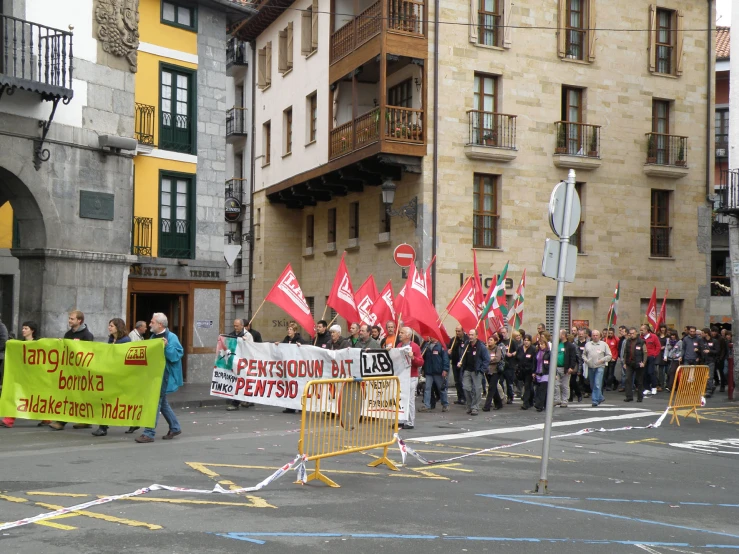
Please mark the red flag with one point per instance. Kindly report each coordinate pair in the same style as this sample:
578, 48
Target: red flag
429, 285
463, 307
365, 298
652, 309
662, 313
341, 298
287, 294
400, 301
383, 310
421, 314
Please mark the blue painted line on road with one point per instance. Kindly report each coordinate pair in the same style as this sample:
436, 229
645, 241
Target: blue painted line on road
623, 500
697, 503
612, 516
627, 500
239, 537
387, 536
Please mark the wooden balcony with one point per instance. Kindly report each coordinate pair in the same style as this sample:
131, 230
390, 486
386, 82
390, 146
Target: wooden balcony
390, 26
667, 155
401, 131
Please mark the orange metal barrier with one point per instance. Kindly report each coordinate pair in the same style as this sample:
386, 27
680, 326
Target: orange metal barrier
688, 390
343, 416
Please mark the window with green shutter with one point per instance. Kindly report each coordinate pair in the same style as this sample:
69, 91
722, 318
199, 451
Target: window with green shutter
177, 123
176, 215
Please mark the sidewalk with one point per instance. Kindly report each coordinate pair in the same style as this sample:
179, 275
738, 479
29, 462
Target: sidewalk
195, 395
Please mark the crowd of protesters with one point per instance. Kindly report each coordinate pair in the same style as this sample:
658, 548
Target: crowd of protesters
636, 362
118, 334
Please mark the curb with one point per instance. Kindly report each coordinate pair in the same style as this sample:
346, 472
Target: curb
198, 403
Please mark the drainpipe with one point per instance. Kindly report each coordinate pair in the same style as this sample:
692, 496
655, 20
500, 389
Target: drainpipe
435, 177
253, 46
709, 87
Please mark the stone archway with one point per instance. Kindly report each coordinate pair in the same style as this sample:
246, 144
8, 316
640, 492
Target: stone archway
23, 278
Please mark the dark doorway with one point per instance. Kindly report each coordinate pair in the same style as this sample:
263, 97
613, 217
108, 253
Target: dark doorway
6, 301
174, 306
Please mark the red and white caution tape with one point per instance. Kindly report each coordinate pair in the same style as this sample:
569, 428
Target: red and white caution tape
405, 449
298, 464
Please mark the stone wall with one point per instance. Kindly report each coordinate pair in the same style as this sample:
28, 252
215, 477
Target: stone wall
211, 112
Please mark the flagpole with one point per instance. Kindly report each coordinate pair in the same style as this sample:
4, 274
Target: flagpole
259, 308
315, 340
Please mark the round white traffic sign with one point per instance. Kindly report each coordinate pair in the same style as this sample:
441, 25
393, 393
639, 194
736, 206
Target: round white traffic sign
557, 211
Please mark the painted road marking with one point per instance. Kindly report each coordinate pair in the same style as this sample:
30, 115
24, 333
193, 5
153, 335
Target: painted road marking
46, 523
625, 500
535, 427
605, 514
652, 440
424, 471
710, 446
69, 494
254, 537
104, 517
254, 501
172, 501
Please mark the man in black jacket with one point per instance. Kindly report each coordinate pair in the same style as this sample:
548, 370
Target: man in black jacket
456, 347
710, 354
474, 364
635, 363
77, 331
323, 337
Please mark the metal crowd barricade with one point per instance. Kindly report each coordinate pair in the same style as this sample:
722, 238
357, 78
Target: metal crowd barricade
688, 390
344, 416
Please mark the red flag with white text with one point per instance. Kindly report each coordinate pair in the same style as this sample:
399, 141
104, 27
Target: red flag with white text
341, 297
383, 310
287, 294
463, 307
662, 317
365, 298
652, 309
421, 314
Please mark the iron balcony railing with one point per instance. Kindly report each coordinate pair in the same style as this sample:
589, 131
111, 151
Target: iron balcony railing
722, 145
236, 122
660, 242
577, 139
492, 129
235, 188
35, 57
236, 52
141, 239
145, 119
175, 133
728, 191
664, 149
175, 239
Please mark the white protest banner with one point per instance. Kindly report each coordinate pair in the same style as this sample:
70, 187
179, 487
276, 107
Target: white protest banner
276, 374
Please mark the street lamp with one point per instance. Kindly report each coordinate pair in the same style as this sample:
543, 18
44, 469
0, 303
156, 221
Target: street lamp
409, 211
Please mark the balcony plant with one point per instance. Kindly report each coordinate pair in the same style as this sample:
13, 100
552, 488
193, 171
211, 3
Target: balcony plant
681, 155
593, 151
651, 158
561, 139
490, 137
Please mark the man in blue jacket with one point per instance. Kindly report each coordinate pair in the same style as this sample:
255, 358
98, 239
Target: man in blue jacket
171, 381
435, 368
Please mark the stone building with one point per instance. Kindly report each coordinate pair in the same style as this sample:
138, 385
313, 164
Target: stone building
526, 91
129, 224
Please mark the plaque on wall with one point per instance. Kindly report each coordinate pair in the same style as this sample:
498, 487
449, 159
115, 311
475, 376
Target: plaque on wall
96, 205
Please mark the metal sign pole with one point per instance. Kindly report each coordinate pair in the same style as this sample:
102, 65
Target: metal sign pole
564, 240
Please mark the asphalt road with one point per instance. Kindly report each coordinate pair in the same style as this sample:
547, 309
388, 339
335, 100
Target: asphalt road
621, 491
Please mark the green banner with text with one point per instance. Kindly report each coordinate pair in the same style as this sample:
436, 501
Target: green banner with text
83, 382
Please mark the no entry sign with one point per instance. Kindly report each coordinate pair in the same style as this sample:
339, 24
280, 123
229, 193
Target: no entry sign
404, 255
